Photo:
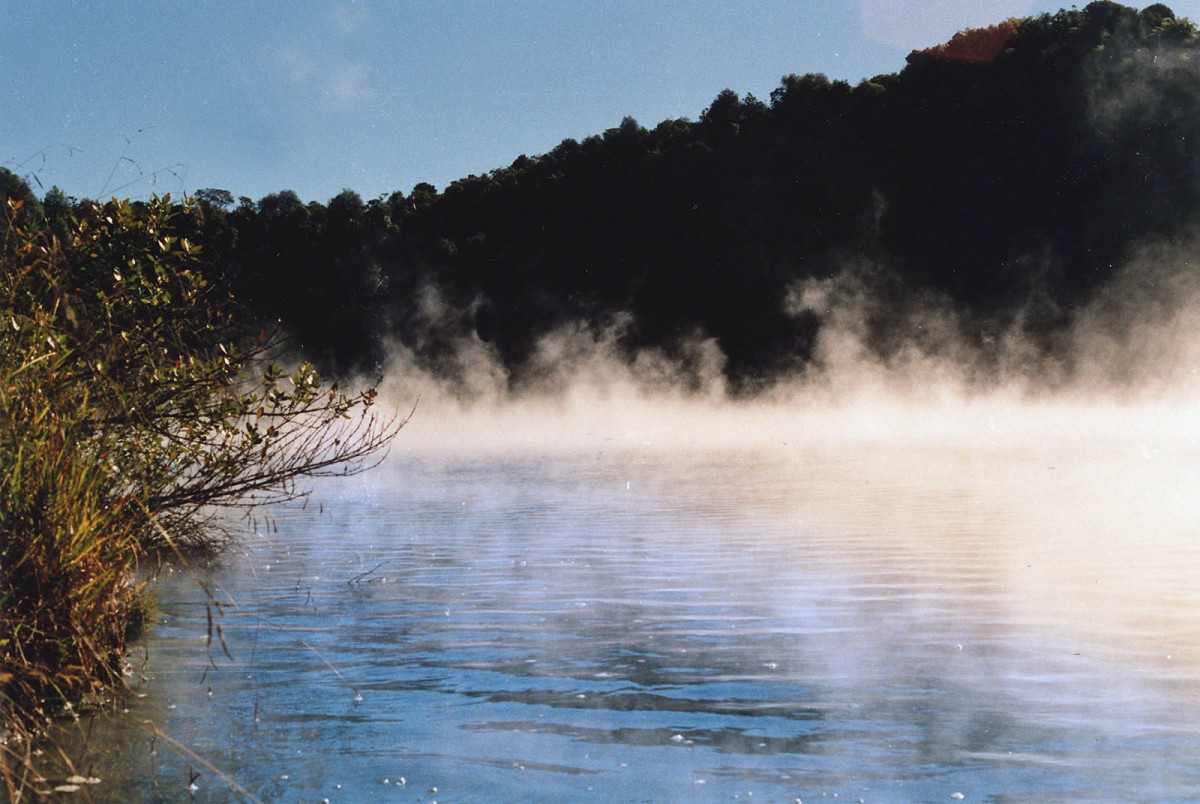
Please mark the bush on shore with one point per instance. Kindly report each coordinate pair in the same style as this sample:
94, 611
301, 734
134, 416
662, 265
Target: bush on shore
131, 412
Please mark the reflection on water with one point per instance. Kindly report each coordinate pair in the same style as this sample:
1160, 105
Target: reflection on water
885, 624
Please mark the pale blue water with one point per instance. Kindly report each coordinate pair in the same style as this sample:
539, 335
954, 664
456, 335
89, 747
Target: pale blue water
884, 624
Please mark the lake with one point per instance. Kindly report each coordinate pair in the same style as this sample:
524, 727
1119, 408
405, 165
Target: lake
921, 619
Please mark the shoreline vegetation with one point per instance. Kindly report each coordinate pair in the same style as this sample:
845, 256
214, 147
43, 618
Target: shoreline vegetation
132, 411
974, 208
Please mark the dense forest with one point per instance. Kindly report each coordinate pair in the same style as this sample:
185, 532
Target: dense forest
1005, 173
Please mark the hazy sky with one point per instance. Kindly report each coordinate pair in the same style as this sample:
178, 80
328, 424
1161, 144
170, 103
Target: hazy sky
130, 98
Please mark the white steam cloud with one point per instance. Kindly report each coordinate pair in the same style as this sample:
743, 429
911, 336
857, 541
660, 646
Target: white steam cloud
1130, 363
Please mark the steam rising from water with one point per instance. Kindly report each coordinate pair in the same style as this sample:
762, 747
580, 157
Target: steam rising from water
890, 364
1070, 475
1066, 471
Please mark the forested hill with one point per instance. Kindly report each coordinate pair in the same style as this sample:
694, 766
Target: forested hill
1004, 173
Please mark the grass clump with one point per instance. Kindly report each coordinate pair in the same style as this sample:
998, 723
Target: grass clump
130, 412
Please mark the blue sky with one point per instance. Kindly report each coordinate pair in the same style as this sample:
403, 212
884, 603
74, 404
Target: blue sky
130, 98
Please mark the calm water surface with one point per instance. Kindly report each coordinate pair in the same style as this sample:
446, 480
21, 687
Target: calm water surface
903, 623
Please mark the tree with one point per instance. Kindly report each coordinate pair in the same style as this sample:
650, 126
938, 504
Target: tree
222, 199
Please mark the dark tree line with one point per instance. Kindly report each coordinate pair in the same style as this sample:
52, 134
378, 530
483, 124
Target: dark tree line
1017, 162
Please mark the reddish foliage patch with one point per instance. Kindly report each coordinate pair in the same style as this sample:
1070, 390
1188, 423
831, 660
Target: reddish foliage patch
976, 44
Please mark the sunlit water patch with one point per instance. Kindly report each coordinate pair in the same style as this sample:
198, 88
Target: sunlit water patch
884, 623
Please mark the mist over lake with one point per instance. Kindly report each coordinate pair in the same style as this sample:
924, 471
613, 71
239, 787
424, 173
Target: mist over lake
995, 601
